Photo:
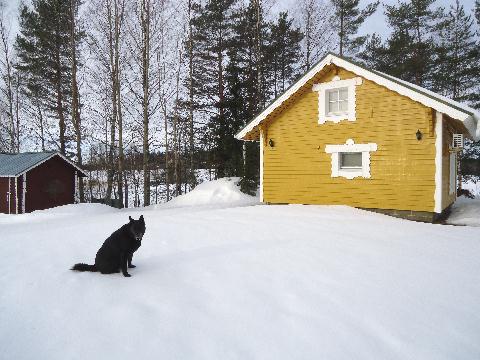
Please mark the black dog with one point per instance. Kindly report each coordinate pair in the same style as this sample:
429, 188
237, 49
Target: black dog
117, 251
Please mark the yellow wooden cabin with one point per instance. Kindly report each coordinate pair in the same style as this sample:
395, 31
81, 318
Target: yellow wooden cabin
347, 135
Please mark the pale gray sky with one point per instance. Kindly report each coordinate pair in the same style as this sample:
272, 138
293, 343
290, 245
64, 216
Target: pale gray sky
376, 23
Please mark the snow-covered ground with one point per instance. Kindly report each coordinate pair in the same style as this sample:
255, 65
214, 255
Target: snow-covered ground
465, 211
240, 282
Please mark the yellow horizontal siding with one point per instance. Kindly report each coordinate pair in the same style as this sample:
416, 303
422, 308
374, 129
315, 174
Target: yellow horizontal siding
297, 169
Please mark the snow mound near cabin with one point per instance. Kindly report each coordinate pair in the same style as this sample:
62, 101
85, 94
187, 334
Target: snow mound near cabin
224, 192
465, 211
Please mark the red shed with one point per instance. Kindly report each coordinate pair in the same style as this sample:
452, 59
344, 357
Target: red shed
37, 181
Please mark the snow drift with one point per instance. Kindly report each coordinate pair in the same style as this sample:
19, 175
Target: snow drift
256, 282
224, 191
465, 211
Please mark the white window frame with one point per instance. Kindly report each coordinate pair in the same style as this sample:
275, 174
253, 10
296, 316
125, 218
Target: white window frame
351, 147
336, 83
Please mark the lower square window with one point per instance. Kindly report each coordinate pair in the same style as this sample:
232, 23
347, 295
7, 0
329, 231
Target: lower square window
351, 160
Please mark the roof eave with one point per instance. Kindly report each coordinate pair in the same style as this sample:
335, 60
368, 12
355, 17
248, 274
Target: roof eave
470, 120
80, 172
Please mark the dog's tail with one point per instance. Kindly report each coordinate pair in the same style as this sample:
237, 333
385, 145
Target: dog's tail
84, 267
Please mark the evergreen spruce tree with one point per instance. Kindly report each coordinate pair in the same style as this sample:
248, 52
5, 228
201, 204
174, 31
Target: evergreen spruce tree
43, 49
477, 11
458, 56
247, 88
375, 54
348, 18
212, 28
284, 53
411, 46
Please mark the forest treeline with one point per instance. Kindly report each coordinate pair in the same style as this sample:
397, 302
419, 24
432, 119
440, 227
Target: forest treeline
149, 94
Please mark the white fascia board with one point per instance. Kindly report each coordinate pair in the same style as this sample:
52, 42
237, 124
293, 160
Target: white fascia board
458, 111
416, 95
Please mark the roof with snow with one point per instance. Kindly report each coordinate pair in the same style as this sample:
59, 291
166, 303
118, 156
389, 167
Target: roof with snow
454, 109
12, 165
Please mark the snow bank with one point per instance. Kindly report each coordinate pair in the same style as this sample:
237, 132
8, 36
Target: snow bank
472, 186
256, 282
465, 211
224, 192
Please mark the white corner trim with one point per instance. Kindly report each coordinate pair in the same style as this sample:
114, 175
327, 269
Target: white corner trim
350, 146
470, 117
336, 83
438, 161
262, 148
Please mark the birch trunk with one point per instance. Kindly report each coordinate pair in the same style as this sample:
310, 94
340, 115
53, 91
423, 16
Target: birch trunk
76, 120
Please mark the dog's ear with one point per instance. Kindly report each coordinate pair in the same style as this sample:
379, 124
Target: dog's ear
141, 218
130, 219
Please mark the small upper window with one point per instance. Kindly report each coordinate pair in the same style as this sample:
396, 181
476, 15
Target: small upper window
351, 160
337, 101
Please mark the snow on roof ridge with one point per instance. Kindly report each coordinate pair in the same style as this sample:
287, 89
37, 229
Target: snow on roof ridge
470, 117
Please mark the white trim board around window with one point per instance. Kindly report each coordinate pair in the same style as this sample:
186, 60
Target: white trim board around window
351, 172
327, 112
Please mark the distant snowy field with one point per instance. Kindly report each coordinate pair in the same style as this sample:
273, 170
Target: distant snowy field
220, 277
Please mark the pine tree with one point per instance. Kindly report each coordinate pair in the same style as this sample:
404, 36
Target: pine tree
477, 11
375, 54
411, 46
318, 34
212, 32
284, 53
43, 48
457, 73
246, 86
348, 18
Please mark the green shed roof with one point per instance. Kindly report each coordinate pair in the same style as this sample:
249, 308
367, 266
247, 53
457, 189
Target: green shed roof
12, 165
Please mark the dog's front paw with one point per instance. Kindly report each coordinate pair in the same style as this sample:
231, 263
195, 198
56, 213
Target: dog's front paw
127, 275
131, 266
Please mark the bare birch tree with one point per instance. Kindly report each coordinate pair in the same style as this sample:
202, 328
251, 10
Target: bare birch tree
7, 76
318, 33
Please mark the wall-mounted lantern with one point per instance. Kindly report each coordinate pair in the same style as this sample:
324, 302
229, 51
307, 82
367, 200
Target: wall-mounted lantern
419, 135
271, 143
